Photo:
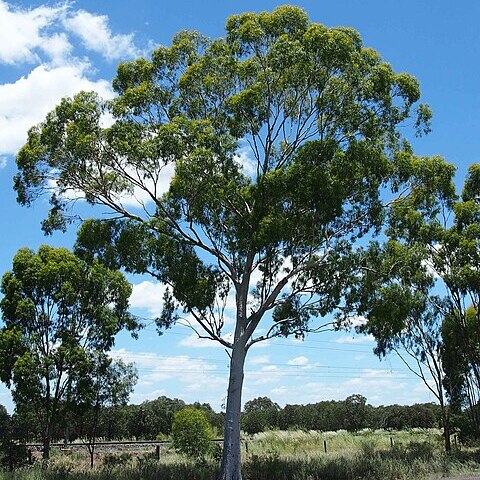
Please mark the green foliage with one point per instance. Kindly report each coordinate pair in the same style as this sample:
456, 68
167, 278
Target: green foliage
321, 113
108, 384
57, 311
192, 434
259, 414
151, 418
351, 414
13, 453
419, 290
355, 412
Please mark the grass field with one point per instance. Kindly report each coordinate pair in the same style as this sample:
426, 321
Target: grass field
278, 455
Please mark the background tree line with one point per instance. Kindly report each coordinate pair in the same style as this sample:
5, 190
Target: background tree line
153, 419
351, 414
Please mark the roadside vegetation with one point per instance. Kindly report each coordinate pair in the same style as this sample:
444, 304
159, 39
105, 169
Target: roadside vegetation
329, 439
280, 455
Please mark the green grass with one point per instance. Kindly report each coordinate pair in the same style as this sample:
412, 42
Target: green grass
286, 456
311, 444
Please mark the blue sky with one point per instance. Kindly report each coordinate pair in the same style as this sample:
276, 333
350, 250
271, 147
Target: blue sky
50, 50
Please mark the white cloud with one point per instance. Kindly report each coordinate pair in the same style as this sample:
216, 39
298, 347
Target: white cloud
193, 341
137, 398
267, 374
269, 368
141, 196
300, 361
155, 368
57, 47
218, 383
26, 33
379, 373
356, 340
3, 162
43, 37
25, 102
279, 391
148, 295
21, 35
357, 358
96, 35
189, 375
377, 389
244, 157
259, 360
427, 264
354, 321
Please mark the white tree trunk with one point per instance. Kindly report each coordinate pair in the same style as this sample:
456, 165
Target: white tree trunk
231, 462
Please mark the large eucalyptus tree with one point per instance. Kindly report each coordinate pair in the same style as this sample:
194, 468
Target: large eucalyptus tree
279, 139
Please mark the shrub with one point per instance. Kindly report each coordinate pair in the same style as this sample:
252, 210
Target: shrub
253, 422
113, 460
12, 454
192, 433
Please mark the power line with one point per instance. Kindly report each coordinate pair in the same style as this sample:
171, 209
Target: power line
223, 374
299, 345
153, 356
310, 374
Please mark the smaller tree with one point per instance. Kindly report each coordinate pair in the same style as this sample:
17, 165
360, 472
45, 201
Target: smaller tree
155, 417
354, 412
56, 310
12, 452
260, 414
192, 433
397, 290
108, 383
460, 354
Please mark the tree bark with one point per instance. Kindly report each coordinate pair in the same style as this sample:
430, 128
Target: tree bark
446, 427
91, 451
446, 434
46, 446
231, 462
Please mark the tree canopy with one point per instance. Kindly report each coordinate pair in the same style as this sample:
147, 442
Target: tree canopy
420, 289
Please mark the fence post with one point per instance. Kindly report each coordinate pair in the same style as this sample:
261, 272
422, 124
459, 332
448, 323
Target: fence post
157, 452
29, 456
325, 446
391, 442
